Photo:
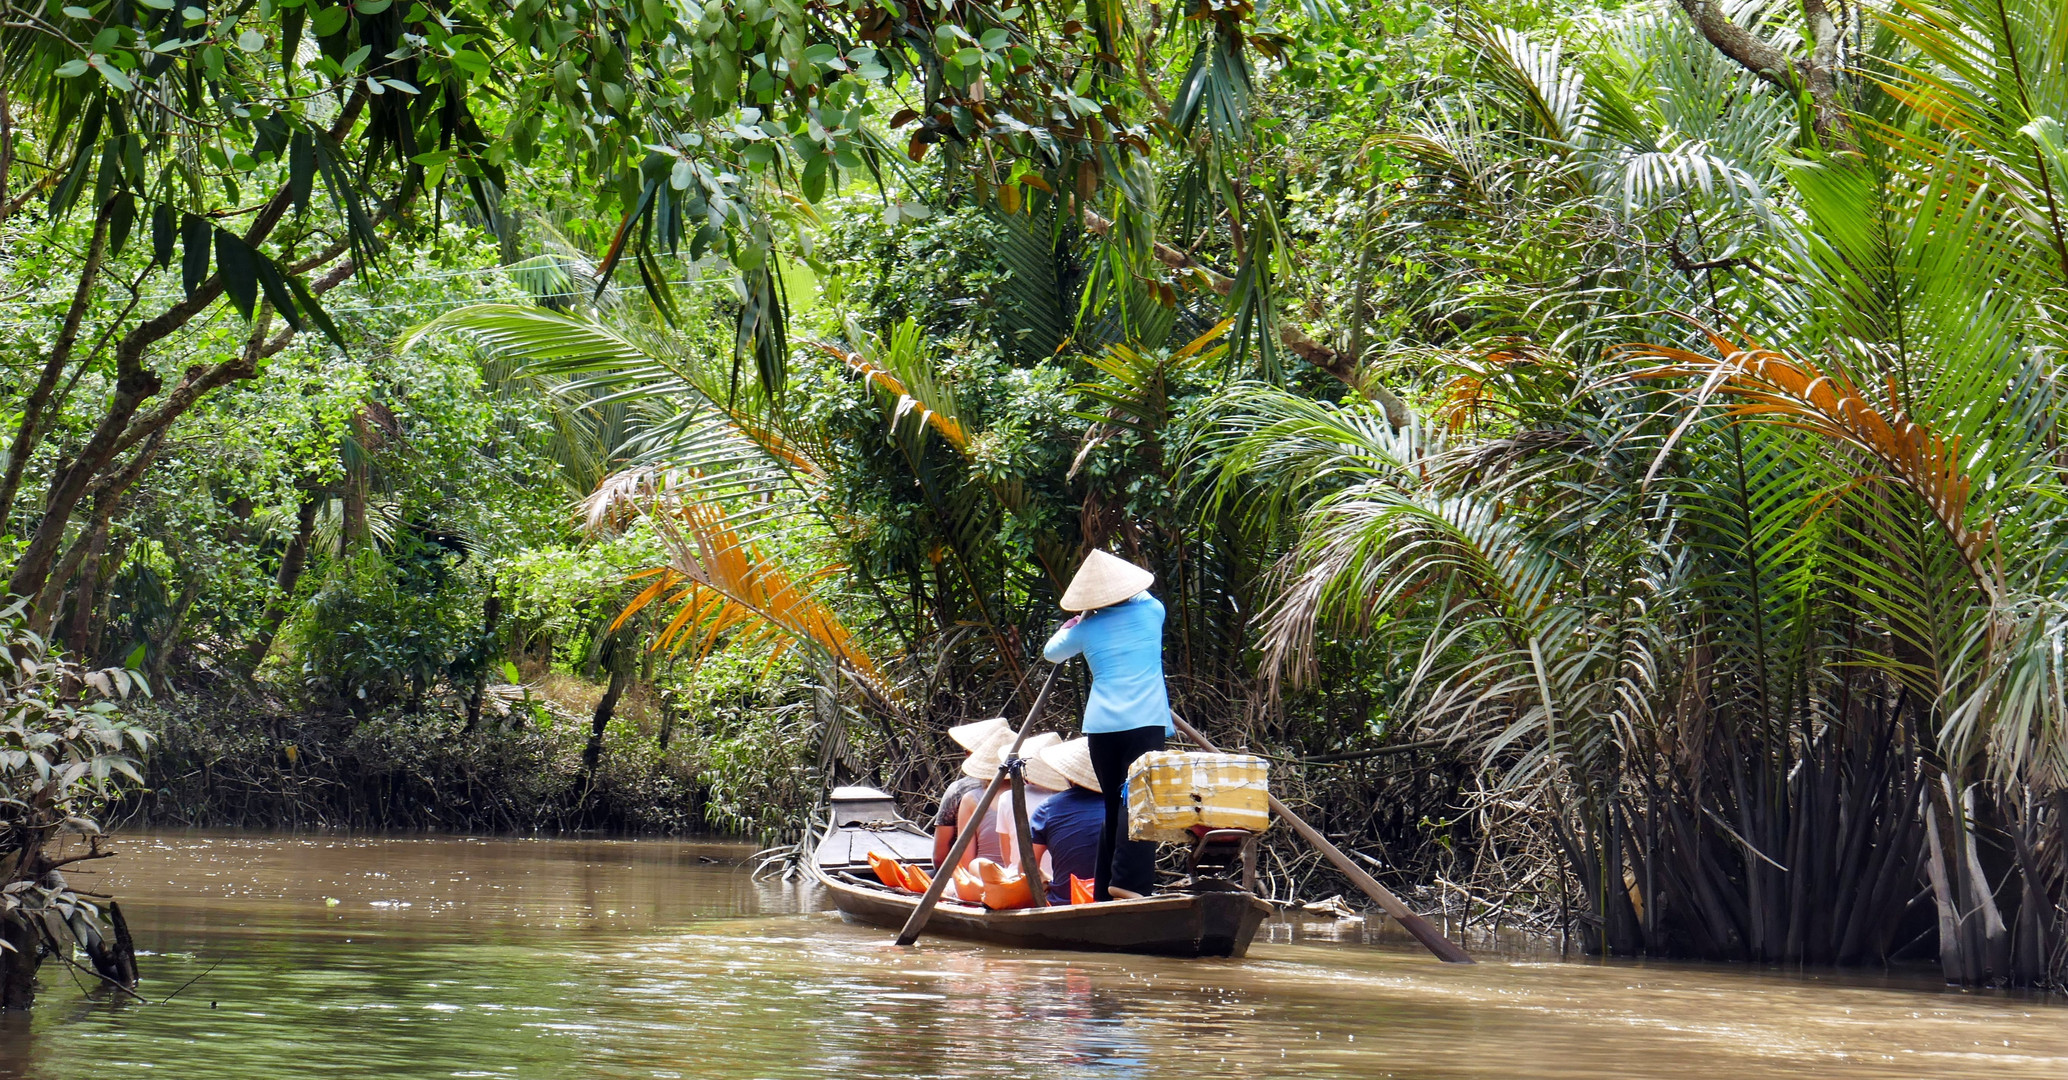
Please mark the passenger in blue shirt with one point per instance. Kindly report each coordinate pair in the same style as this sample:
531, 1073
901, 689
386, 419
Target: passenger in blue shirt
1069, 825
1119, 632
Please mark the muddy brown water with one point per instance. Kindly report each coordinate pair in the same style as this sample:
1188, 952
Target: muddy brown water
413, 957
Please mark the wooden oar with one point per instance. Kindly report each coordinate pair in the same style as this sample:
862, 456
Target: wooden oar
1030, 867
943, 873
1445, 949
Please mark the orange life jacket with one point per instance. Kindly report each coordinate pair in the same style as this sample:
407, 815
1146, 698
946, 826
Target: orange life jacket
888, 870
1008, 894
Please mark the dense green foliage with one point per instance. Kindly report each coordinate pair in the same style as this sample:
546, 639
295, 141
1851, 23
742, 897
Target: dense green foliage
1613, 446
66, 753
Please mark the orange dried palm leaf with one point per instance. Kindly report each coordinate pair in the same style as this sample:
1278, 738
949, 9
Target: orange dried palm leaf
908, 402
1796, 392
733, 590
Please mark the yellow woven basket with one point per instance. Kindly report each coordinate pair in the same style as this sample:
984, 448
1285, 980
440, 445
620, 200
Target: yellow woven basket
1170, 791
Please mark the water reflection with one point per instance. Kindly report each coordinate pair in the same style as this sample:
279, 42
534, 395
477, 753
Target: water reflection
440, 958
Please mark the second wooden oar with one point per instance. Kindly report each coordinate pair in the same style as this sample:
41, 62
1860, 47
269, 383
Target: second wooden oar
944, 872
1445, 949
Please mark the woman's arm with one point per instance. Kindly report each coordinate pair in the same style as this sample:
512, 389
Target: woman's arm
1064, 644
966, 811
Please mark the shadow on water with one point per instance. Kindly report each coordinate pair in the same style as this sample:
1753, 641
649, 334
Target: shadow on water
418, 957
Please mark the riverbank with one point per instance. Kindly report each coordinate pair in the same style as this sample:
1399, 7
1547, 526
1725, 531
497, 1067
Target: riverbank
422, 957
240, 754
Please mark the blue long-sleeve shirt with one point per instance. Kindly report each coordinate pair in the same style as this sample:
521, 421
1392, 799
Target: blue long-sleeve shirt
1068, 826
1124, 646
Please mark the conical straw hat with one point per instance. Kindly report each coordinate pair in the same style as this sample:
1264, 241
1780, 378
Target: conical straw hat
1104, 580
971, 736
1038, 773
1073, 760
982, 762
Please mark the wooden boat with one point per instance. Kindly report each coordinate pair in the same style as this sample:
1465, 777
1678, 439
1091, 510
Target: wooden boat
1214, 919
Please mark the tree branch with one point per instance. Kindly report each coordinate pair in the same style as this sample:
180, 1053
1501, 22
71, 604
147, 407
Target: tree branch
199, 380
136, 383
26, 436
62, 953
95, 853
1817, 73
6, 148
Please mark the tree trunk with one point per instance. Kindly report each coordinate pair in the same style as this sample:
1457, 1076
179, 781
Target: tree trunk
1972, 937
491, 614
6, 154
1359, 294
2029, 949
18, 964
292, 562
107, 499
617, 657
87, 591
110, 568
162, 650
354, 505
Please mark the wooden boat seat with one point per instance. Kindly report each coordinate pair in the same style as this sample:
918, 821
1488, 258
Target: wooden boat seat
1217, 852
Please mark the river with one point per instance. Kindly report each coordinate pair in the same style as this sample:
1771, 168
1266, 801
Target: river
401, 958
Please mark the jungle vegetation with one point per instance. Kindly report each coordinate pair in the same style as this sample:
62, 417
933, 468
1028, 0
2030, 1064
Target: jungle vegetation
1606, 453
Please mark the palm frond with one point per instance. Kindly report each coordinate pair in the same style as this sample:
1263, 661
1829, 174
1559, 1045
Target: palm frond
897, 368
723, 588
734, 448
1989, 76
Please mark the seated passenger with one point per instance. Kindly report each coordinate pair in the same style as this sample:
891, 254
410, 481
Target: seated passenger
979, 767
1066, 828
946, 820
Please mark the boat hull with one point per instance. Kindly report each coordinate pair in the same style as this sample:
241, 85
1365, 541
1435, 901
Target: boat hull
1170, 924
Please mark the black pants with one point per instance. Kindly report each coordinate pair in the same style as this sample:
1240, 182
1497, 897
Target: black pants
1130, 864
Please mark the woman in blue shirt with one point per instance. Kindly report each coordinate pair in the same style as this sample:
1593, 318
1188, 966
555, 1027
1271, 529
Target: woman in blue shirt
1119, 631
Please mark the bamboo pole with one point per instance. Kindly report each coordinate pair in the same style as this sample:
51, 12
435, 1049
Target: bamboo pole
1445, 949
942, 875
1030, 867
